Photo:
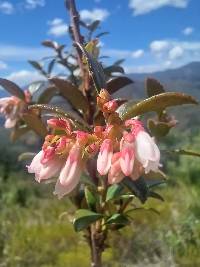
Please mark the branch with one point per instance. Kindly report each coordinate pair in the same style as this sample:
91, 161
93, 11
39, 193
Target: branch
75, 29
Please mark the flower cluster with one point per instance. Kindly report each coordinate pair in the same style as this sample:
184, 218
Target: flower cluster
120, 149
12, 108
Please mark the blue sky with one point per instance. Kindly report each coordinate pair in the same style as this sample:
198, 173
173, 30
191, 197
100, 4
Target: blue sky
151, 34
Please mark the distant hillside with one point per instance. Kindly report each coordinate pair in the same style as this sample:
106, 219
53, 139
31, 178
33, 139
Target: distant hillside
184, 79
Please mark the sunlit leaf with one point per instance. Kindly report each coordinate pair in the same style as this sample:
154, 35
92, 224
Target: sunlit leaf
12, 88
114, 84
71, 93
58, 112
84, 218
155, 103
95, 69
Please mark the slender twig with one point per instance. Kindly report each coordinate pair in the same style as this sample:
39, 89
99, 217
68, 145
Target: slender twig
75, 29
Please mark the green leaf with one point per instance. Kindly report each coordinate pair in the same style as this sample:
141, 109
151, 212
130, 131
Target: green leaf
185, 152
90, 199
155, 103
153, 87
139, 187
159, 129
12, 88
18, 132
71, 93
26, 156
114, 191
47, 95
155, 195
35, 64
58, 112
95, 69
129, 212
114, 84
35, 123
117, 218
84, 218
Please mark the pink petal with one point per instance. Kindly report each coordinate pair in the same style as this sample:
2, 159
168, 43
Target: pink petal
127, 160
105, 157
115, 174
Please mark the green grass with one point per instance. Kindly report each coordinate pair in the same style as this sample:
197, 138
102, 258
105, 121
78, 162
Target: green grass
36, 231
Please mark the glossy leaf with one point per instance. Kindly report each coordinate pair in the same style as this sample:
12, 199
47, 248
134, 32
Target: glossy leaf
58, 112
90, 199
114, 84
114, 191
84, 218
95, 69
35, 123
118, 218
36, 86
47, 95
155, 103
12, 88
153, 87
71, 93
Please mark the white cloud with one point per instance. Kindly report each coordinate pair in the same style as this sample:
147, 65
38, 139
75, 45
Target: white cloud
57, 27
145, 6
6, 7
176, 52
159, 46
138, 53
188, 31
3, 65
24, 77
22, 53
95, 14
32, 4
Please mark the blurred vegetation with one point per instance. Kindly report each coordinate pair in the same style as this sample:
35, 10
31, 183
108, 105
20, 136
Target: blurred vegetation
35, 231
